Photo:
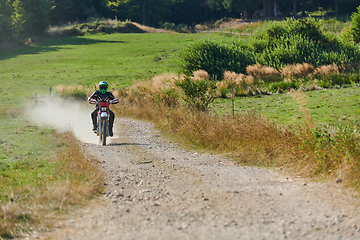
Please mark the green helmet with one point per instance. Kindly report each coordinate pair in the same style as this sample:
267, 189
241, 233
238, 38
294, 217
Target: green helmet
103, 86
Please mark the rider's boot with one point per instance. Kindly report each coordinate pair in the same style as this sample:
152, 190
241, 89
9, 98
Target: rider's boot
94, 127
111, 131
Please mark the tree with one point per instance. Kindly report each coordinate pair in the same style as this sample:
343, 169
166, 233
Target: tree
148, 12
65, 11
355, 29
36, 16
5, 20
17, 20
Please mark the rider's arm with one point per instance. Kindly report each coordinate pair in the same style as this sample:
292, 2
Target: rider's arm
92, 98
113, 99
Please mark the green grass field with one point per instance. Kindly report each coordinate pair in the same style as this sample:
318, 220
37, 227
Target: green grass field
116, 58
326, 106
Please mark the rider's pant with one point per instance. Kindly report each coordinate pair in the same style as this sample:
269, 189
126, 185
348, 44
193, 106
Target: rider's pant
94, 117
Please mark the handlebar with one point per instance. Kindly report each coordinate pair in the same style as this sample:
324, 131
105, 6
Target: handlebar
93, 101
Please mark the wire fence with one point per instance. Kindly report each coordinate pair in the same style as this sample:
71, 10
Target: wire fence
36, 98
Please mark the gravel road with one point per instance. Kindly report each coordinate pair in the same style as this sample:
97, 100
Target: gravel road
156, 190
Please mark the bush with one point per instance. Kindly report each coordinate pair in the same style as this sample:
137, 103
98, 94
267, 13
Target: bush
301, 41
216, 58
198, 94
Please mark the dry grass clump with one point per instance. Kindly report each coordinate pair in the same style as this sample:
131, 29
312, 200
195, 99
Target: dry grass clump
74, 91
260, 71
160, 84
154, 85
239, 83
222, 88
77, 177
297, 70
200, 75
162, 81
236, 79
161, 87
326, 69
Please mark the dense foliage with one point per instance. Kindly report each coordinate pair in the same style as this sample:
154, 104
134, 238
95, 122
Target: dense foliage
283, 43
23, 18
216, 58
302, 41
198, 94
355, 30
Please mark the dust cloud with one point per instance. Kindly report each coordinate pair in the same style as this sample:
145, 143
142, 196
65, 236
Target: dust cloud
65, 115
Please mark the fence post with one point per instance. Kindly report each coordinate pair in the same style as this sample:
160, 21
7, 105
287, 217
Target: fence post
35, 99
50, 91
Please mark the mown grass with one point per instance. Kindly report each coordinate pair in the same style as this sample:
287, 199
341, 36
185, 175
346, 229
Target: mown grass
116, 58
326, 106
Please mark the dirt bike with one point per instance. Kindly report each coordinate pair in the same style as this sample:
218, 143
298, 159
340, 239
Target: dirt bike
103, 120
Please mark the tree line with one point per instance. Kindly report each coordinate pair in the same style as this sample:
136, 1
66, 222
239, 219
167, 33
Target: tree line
22, 18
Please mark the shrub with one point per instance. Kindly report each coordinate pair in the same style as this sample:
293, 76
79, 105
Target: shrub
198, 94
215, 58
283, 86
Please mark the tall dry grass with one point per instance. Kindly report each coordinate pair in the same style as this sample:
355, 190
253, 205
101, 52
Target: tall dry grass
327, 69
74, 91
260, 71
297, 70
78, 177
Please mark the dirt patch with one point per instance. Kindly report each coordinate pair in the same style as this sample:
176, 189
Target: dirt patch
233, 23
151, 29
156, 190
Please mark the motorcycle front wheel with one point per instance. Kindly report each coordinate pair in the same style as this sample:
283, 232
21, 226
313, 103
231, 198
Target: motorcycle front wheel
104, 131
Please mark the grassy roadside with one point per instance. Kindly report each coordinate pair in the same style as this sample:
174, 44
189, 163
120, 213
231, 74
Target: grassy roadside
43, 173
304, 145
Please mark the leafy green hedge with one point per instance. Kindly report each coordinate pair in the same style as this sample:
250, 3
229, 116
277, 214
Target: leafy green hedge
216, 58
301, 41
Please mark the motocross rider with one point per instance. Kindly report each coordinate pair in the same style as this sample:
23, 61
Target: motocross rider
102, 93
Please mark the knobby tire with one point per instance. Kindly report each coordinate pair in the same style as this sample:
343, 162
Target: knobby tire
104, 125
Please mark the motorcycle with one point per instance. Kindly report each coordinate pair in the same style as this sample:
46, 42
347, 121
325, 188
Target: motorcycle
103, 119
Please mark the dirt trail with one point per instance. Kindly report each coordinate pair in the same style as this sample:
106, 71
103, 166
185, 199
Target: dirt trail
156, 190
